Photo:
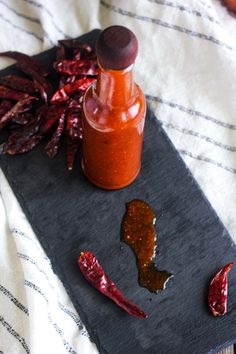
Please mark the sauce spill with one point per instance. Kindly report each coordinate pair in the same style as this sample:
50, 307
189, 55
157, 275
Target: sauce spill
137, 231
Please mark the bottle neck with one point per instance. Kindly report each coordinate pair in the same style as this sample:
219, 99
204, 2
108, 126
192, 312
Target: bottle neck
115, 87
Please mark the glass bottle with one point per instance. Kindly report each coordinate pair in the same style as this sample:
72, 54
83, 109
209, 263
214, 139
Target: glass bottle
114, 113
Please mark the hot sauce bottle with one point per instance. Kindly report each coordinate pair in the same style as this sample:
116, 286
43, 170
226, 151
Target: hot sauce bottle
114, 113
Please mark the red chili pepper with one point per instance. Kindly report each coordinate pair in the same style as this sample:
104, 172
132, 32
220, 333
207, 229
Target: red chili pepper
66, 91
72, 147
5, 106
88, 70
8, 93
76, 103
76, 67
74, 135
18, 83
52, 146
23, 118
53, 115
74, 124
24, 59
28, 145
40, 84
218, 290
95, 275
22, 140
64, 79
20, 107
35, 70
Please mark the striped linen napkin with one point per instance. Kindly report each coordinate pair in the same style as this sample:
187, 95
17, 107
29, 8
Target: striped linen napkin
187, 68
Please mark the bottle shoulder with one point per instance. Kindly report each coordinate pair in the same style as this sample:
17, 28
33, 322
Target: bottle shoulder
103, 116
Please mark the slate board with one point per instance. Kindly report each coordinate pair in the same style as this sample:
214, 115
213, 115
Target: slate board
68, 215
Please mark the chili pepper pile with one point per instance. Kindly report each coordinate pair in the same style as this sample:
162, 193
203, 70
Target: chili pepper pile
95, 275
30, 109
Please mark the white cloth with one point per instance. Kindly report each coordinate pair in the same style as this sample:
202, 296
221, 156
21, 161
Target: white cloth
187, 63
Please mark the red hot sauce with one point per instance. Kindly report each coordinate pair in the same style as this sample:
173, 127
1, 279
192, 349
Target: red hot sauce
114, 113
138, 231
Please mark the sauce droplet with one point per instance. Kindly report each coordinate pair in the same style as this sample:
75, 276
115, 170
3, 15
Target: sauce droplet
137, 231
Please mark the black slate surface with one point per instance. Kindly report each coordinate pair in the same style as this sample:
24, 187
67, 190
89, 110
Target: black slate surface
68, 215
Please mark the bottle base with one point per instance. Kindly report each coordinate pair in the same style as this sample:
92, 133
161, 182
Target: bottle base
97, 184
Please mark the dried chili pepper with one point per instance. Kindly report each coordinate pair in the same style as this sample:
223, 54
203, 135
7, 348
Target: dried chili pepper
35, 70
88, 70
64, 80
72, 147
53, 145
8, 93
22, 118
76, 67
66, 91
74, 124
218, 290
23, 140
27, 146
76, 102
24, 59
5, 106
41, 85
95, 275
53, 115
27, 128
74, 134
18, 83
20, 107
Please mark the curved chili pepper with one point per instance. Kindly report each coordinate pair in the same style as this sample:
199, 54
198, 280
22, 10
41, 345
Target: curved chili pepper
64, 79
18, 83
218, 290
95, 275
76, 67
64, 93
40, 84
73, 134
52, 146
24, 59
23, 140
27, 146
35, 70
52, 116
9, 93
5, 106
23, 118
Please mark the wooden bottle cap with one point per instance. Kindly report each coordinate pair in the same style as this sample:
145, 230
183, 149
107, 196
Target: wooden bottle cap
117, 48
